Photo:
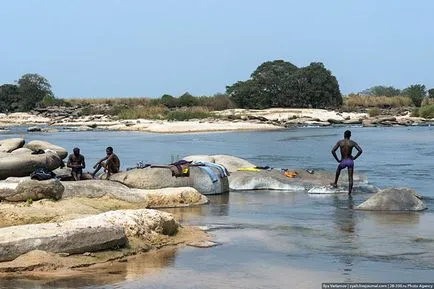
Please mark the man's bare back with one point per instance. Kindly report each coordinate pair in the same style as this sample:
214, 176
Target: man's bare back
347, 160
346, 147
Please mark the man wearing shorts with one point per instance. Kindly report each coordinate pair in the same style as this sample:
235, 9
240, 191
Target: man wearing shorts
76, 163
347, 160
110, 163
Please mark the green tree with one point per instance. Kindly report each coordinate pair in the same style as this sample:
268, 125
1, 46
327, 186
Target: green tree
281, 84
9, 98
187, 100
317, 87
245, 94
431, 93
169, 101
33, 88
416, 93
381, 90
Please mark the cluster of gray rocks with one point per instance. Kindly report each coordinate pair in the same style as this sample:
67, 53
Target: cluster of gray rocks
94, 215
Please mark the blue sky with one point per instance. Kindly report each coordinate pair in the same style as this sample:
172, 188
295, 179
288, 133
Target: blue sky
133, 48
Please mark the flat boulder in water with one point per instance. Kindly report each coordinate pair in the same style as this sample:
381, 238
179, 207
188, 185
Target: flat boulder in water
262, 180
37, 145
394, 199
9, 145
158, 178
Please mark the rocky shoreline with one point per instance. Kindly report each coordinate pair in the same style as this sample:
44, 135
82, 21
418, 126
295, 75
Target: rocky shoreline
67, 119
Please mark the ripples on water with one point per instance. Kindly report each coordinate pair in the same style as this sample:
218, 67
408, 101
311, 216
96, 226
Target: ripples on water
274, 239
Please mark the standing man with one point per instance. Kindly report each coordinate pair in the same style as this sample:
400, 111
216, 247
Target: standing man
76, 163
347, 160
110, 163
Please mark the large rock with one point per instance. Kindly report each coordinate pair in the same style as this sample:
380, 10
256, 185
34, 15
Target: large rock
300, 180
158, 198
9, 145
262, 180
23, 189
21, 151
231, 163
274, 179
23, 164
394, 199
158, 178
36, 145
104, 231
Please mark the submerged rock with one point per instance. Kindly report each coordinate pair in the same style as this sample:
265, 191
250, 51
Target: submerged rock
34, 129
394, 199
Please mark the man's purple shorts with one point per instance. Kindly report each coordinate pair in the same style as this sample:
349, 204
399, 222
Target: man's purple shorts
346, 163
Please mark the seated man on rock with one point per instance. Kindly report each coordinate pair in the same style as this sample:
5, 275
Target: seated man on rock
76, 163
110, 163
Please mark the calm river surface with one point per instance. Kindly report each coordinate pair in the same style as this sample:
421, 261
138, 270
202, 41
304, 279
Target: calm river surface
278, 239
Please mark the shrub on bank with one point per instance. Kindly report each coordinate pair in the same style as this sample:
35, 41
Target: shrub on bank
355, 100
374, 112
427, 111
189, 113
146, 112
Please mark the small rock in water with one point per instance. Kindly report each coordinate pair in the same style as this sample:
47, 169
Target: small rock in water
203, 228
33, 128
203, 244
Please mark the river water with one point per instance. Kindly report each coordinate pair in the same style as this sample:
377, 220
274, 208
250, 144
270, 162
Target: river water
277, 239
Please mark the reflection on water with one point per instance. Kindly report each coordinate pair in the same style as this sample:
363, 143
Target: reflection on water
131, 268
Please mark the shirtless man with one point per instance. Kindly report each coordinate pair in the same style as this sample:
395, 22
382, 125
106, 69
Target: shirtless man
110, 163
76, 163
347, 160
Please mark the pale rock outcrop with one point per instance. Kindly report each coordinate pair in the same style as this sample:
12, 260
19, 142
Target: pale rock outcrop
158, 178
394, 199
274, 179
167, 197
9, 145
263, 180
94, 233
23, 164
23, 189
21, 151
36, 145
231, 163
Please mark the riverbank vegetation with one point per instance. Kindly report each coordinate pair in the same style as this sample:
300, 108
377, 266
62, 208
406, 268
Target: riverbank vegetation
273, 84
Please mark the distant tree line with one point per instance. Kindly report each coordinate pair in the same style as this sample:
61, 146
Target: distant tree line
416, 92
282, 84
275, 83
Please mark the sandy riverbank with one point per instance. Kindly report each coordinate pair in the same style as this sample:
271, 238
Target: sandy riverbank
229, 120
